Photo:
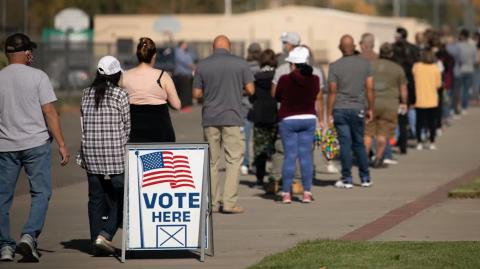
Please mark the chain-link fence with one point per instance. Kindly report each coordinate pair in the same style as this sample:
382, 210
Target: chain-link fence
72, 66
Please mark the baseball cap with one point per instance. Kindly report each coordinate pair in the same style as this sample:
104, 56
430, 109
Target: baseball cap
18, 42
291, 38
109, 65
298, 55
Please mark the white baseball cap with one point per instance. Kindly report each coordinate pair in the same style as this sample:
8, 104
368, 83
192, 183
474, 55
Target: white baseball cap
291, 38
298, 55
109, 65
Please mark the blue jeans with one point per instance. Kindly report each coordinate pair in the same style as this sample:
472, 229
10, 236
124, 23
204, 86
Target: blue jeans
105, 195
37, 164
412, 120
467, 80
297, 138
247, 130
350, 126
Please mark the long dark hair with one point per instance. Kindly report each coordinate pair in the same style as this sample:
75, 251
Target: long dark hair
305, 69
102, 83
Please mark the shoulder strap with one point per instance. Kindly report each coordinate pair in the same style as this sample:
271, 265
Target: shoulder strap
159, 79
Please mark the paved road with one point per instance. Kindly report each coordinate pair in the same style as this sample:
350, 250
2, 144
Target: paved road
268, 226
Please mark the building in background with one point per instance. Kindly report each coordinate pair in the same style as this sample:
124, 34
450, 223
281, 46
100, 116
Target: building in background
320, 28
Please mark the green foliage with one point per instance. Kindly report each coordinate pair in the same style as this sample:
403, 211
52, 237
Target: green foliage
467, 190
371, 254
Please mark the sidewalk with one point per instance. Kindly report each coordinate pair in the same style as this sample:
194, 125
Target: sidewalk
268, 226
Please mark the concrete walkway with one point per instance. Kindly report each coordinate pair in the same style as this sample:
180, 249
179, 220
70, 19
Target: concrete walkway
268, 226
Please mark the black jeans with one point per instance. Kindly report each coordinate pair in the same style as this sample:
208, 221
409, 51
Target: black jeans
403, 133
105, 195
426, 118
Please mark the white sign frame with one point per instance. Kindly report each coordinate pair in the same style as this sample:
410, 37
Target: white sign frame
205, 225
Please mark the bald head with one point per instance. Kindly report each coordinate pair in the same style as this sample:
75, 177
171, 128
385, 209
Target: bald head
347, 45
221, 42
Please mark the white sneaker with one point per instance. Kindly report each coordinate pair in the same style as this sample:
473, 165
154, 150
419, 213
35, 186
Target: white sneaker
6, 254
244, 170
439, 132
331, 168
366, 184
28, 249
342, 185
419, 146
390, 161
432, 147
464, 112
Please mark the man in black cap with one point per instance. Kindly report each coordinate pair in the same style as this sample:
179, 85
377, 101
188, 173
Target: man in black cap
28, 121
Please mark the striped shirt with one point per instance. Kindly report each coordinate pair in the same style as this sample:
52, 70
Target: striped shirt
105, 131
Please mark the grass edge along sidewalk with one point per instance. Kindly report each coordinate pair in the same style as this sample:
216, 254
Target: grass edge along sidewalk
326, 254
467, 190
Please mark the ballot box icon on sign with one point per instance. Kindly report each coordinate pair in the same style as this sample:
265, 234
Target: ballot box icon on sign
172, 236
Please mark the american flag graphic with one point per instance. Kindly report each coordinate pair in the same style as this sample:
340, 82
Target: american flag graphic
166, 167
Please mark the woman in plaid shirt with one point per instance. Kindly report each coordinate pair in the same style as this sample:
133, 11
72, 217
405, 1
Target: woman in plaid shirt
105, 123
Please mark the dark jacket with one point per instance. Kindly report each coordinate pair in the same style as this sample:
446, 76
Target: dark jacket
264, 110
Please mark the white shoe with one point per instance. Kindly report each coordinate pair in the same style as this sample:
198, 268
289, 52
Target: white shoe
439, 132
244, 170
342, 185
366, 184
419, 146
432, 147
390, 161
464, 112
6, 254
331, 168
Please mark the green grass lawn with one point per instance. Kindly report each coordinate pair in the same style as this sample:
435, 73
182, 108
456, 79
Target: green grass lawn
467, 190
330, 254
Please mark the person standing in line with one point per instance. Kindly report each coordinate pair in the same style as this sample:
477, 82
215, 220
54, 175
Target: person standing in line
406, 54
28, 121
350, 81
183, 75
105, 121
221, 80
253, 59
150, 91
299, 94
468, 58
290, 41
427, 83
390, 83
264, 114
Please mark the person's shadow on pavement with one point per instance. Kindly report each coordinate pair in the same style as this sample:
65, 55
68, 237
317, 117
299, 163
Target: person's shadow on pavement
82, 245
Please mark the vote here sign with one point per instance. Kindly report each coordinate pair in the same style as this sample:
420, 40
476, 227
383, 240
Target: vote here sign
165, 196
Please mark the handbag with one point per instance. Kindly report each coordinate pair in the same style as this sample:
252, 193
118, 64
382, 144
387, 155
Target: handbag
327, 141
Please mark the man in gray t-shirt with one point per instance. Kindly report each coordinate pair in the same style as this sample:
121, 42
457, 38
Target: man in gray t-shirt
349, 80
27, 119
221, 79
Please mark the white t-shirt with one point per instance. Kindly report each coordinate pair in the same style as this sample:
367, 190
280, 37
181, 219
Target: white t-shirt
23, 91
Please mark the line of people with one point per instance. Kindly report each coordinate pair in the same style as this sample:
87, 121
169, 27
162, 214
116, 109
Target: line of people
369, 98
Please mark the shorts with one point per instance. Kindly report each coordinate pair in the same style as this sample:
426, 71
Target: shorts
383, 124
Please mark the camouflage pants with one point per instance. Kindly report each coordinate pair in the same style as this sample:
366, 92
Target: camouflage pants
263, 147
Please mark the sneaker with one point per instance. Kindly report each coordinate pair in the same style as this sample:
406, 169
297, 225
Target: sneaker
28, 249
366, 184
101, 243
419, 146
244, 170
379, 164
307, 197
6, 254
233, 210
439, 132
390, 161
343, 185
464, 112
331, 168
432, 147
286, 198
